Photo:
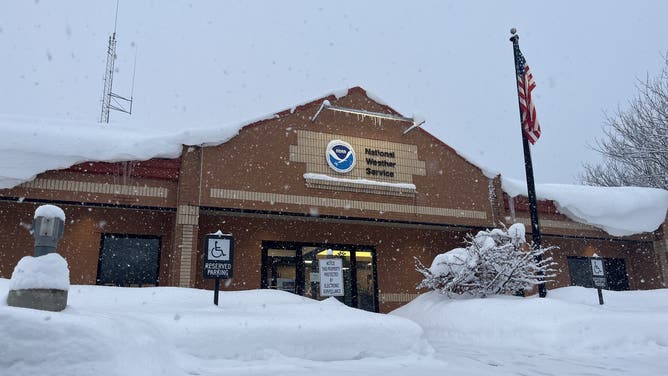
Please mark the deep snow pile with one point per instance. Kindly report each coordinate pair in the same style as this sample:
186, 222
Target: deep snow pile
49, 271
568, 321
178, 331
131, 331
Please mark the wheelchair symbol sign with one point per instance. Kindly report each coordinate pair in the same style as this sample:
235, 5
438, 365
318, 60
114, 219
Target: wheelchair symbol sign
597, 268
218, 250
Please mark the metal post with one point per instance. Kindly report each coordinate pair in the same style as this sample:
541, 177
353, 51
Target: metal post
216, 289
528, 168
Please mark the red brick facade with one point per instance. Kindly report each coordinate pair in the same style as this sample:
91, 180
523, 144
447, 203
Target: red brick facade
254, 186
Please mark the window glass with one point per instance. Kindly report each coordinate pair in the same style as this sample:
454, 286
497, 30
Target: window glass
365, 285
579, 269
129, 261
281, 269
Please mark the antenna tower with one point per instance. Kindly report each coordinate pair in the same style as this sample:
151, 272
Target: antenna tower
111, 100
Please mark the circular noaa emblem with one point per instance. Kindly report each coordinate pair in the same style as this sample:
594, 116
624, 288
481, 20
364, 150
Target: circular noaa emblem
340, 156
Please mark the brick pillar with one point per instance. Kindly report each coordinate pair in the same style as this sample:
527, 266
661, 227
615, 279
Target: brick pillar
661, 250
187, 231
186, 234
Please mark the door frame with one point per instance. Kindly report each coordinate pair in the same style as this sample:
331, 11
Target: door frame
299, 276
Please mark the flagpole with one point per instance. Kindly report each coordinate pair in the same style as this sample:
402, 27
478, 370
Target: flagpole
528, 168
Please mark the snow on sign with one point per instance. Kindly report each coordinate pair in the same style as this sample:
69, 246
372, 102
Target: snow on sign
331, 277
219, 251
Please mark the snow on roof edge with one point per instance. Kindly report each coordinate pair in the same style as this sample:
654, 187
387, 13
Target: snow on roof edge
39, 145
22, 133
619, 211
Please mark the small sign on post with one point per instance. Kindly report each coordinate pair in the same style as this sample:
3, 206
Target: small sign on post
598, 276
331, 277
218, 261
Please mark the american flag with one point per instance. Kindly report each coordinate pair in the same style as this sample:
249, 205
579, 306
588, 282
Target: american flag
525, 85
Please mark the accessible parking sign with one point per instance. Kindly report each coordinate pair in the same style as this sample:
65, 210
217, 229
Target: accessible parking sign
219, 256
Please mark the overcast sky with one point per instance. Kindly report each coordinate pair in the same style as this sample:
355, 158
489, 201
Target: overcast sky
203, 63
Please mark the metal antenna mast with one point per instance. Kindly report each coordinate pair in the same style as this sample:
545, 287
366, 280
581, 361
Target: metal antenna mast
111, 100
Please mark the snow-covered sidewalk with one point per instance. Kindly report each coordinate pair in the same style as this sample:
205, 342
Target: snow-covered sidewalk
177, 331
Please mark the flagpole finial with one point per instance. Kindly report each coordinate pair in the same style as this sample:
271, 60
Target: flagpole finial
514, 37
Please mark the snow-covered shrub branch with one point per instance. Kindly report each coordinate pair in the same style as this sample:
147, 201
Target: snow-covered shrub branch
497, 261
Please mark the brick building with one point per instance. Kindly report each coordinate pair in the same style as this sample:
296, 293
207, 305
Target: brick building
343, 176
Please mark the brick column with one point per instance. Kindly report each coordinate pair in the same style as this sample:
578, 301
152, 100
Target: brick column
661, 249
187, 230
186, 233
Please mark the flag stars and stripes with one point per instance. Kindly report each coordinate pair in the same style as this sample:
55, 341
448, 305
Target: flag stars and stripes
525, 85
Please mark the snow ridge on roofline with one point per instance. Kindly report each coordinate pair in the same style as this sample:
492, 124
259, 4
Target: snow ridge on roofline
619, 211
31, 146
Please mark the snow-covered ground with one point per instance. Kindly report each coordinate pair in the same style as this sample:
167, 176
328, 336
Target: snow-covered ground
177, 331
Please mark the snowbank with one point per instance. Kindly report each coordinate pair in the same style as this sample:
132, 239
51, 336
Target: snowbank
44, 272
165, 330
619, 211
568, 321
170, 331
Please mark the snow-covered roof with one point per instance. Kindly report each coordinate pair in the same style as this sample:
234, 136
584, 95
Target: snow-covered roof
31, 146
619, 211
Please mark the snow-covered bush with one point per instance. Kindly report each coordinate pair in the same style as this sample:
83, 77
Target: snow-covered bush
497, 261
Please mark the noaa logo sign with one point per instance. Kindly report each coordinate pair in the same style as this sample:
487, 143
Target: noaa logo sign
340, 156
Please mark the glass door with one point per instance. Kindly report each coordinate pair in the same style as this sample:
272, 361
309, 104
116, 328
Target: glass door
294, 267
280, 271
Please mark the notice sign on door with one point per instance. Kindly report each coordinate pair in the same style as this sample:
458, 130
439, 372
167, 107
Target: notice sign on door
331, 277
218, 262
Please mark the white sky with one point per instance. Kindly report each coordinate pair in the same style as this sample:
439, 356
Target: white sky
202, 63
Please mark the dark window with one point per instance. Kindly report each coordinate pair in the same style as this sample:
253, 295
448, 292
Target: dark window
127, 260
615, 269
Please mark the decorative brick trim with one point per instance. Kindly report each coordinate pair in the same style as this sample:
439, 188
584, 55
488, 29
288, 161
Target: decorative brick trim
187, 215
231, 194
396, 297
558, 224
186, 247
90, 187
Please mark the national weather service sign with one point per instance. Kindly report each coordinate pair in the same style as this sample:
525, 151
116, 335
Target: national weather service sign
340, 156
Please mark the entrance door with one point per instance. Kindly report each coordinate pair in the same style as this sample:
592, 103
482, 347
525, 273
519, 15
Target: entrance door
280, 269
294, 267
